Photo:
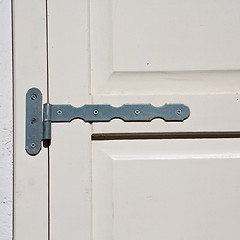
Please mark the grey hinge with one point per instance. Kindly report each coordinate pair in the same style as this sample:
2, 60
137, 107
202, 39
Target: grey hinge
39, 118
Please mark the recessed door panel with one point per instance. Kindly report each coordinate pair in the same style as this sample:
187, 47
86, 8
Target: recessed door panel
159, 38
166, 189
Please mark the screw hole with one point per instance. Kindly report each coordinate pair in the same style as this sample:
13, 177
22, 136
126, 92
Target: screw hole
95, 112
34, 96
137, 111
33, 121
59, 112
179, 111
33, 145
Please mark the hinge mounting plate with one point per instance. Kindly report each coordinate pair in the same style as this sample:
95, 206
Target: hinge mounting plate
39, 117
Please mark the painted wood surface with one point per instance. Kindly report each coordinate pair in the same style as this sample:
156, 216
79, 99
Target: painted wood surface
70, 153
166, 189
120, 52
6, 123
31, 174
167, 52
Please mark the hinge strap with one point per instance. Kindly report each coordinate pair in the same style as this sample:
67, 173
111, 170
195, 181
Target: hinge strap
38, 120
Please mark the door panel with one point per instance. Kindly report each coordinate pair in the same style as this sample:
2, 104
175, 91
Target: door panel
167, 52
155, 39
166, 189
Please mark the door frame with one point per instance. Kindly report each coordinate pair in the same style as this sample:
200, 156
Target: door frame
30, 70
6, 122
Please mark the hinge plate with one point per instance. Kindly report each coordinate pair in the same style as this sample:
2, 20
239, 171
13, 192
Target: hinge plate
34, 124
38, 129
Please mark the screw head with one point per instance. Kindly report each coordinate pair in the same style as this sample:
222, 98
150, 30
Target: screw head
33, 96
137, 111
95, 112
59, 112
33, 145
179, 111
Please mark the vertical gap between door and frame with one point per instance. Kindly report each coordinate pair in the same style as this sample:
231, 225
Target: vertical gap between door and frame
13, 118
90, 98
48, 164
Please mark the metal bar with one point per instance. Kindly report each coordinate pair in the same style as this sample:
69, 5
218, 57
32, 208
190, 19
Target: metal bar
164, 135
127, 112
34, 126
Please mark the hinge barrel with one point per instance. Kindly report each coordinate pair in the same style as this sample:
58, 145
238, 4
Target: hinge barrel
47, 121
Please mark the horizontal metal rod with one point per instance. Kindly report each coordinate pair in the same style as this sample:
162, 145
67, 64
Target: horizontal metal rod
164, 135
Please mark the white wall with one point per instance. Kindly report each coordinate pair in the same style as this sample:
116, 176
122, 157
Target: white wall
6, 122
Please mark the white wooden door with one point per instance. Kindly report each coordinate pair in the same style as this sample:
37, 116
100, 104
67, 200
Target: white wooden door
92, 184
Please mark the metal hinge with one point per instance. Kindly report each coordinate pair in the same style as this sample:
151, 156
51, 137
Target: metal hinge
40, 117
